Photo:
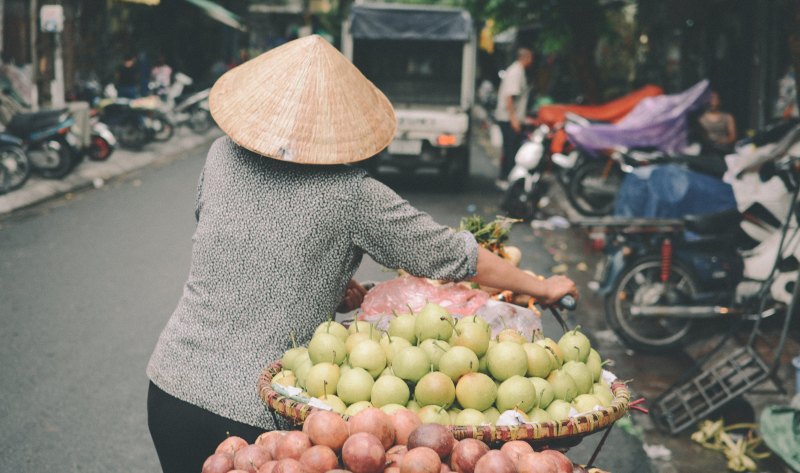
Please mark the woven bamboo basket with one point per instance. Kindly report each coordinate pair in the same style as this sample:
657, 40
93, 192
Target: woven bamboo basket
556, 435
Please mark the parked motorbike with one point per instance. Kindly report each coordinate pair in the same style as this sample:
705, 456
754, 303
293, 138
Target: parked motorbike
15, 168
656, 123
660, 277
162, 126
187, 109
44, 137
548, 148
133, 128
102, 141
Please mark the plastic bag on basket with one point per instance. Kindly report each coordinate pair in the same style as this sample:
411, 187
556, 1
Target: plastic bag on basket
402, 294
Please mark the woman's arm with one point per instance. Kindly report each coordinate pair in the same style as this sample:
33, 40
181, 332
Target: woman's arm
496, 272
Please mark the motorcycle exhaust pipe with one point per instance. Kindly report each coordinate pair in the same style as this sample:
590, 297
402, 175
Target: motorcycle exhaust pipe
684, 311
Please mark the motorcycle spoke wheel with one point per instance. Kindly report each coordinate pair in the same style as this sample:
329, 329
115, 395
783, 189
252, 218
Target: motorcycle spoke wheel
16, 168
641, 285
60, 162
593, 188
131, 135
164, 131
200, 121
517, 203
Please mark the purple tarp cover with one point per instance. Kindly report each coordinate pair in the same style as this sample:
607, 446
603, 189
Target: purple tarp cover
656, 122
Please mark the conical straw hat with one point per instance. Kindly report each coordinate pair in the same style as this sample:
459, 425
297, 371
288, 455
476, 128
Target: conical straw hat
303, 102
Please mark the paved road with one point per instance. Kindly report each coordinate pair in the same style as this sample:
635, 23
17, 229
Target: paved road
86, 285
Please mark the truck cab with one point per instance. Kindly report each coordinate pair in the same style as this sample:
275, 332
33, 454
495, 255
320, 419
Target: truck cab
423, 59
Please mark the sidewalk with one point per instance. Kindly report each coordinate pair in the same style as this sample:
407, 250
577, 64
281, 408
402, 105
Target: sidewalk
91, 173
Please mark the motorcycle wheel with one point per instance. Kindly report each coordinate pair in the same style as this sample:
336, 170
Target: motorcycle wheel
164, 129
517, 203
99, 149
200, 120
60, 161
132, 134
641, 284
15, 168
593, 188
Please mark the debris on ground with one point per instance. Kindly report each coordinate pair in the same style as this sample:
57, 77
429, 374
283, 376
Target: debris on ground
556, 222
738, 448
657, 452
606, 336
559, 269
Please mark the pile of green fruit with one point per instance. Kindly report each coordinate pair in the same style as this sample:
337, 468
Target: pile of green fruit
447, 372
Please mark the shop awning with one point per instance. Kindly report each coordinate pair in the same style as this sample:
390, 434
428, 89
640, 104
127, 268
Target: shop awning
220, 13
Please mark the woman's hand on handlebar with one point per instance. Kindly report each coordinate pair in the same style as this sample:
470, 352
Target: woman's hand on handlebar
353, 297
554, 288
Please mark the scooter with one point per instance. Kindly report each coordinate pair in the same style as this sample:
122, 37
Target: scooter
44, 138
527, 187
661, 277
187, 110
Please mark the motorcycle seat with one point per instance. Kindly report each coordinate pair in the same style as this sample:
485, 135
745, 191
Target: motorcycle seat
23, 124
713, 224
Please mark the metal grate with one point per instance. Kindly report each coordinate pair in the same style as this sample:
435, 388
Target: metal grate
714, 386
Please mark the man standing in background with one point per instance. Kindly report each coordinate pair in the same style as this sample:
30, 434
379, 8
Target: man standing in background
512, 103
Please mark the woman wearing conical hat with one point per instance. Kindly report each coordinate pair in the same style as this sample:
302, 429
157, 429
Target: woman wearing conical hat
282, 225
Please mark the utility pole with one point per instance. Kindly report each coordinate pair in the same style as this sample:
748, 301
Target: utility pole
33, 28
52, 19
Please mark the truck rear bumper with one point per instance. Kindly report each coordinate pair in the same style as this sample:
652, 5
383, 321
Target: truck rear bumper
430, 157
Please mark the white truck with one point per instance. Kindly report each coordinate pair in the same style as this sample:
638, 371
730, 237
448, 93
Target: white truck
423, 59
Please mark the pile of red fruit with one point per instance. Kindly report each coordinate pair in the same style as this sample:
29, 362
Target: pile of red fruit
375, 442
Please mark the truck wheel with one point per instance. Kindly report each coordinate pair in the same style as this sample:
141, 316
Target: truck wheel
458, 168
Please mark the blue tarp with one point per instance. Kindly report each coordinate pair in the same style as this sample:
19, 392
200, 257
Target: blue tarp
671, 191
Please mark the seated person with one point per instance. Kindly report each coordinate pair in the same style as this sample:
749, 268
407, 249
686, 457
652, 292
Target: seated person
718, 128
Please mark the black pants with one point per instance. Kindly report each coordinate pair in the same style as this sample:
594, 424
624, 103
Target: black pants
185, 435
511, 143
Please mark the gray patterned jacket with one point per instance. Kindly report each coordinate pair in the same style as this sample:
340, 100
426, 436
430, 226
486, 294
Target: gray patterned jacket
275, 245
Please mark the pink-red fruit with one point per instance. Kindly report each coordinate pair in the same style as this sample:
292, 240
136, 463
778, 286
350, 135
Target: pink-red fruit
292, 445
218, 463
231, 445
495, 461
364, 453
376, 422
466, 454
515, 449
250, 458
319, 459
327, 428
434, 436
421, 460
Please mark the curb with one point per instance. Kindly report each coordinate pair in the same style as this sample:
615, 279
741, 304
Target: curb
88, 173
